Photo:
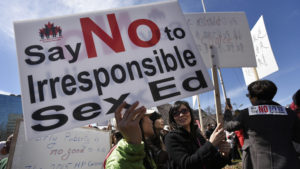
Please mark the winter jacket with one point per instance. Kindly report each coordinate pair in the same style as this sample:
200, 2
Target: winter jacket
268, 132
239, 134
296, 109
186, 153
3, 163
160, 156
127, 156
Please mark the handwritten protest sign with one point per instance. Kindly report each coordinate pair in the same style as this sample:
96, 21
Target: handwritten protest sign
266, 62
228, 32
76, 148
76, 70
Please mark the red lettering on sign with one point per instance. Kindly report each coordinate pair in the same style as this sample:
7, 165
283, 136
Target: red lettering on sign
260, 109
263, 109
132, 32
266, 109
88, 27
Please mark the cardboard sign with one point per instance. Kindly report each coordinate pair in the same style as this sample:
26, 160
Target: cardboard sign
228, 32
266, 62
76, 148
76, 70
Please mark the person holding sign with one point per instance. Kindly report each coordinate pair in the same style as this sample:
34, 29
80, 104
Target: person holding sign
269, 130
187, 148
132, 151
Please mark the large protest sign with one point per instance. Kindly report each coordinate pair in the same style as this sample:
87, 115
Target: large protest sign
228, 32
76, 148
266, 62
75, 70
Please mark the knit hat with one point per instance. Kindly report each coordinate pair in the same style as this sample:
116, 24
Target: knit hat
296, 98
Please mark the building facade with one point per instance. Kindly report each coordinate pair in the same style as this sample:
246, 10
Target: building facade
10, 110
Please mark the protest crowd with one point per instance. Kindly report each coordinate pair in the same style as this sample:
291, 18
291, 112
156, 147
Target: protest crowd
265, 135
266, 139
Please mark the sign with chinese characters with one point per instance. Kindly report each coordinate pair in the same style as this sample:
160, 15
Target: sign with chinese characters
266, 62
228, 32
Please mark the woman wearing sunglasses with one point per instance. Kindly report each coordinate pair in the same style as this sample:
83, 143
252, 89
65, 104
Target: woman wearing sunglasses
187, 148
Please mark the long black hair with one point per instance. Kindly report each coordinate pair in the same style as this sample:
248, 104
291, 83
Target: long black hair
156, 138
147, 160
175, 107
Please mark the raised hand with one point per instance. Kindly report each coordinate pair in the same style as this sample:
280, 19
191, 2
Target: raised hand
128, 124
217, 136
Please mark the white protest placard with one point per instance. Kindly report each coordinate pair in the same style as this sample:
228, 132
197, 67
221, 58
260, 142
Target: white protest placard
77, 148
249, 75
76, 70
228, 32
266, 62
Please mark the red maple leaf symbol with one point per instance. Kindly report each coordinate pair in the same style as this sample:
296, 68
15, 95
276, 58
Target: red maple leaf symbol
49, 25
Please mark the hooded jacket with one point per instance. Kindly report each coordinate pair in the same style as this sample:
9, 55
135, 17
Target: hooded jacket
127, 156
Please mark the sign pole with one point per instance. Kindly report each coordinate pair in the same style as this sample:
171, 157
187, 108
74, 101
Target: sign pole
203, 5
198, 99
222, 84
215, 79
200, 115
255, 73
216, 85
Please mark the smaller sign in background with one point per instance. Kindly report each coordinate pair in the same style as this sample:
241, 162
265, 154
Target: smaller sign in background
228, 32
76, 148
266, 62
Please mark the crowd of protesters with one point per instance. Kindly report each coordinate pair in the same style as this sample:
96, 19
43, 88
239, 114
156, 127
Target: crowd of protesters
267, 134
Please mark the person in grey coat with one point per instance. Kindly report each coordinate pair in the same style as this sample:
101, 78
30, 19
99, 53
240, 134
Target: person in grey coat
269, 130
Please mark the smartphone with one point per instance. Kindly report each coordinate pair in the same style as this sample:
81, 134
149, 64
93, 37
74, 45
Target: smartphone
228, 103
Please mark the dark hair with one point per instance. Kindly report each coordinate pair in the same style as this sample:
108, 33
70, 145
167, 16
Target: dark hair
296, 98
156, 138
118, 135
237, 112
174, 108
154, 116
262, 89
147, 164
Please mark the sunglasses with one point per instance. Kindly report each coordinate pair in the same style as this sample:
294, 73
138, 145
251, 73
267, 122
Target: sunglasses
182, 111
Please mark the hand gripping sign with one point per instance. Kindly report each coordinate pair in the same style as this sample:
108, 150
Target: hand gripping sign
76, 70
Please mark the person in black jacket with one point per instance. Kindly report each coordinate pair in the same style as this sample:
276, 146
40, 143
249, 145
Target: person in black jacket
295, 106
269, 130
156, 143
187, 148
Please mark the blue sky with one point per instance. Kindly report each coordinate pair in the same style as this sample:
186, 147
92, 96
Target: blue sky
281, 20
